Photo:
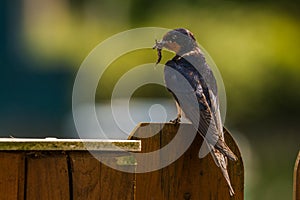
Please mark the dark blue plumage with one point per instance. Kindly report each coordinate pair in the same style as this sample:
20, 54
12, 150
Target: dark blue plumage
192, 75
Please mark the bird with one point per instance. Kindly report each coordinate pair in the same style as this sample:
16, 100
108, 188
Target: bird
192, 83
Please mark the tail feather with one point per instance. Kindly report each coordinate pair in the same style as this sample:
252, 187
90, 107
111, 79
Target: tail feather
225, 150
219, 151
221, 161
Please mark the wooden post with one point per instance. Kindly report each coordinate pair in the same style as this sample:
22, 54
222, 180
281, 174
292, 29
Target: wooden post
93, 180
64, 169
188, 177
297, 178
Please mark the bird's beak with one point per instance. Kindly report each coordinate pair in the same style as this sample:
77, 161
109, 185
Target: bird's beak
158, 46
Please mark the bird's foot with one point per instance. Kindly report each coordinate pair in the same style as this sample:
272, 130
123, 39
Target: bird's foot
177, 120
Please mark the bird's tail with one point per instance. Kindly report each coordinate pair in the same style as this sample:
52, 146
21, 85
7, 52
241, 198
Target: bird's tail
221, 161
220, 152
225, 150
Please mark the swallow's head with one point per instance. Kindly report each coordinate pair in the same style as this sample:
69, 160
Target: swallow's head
179, 40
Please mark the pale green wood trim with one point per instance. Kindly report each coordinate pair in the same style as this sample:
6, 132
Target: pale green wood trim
24, 144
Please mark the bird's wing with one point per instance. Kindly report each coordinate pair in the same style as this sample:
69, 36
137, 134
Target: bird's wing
209, 85
220, 145
215, 111
186, 88
186, 85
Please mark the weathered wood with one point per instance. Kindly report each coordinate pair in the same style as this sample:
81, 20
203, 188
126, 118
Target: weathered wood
69, 174
12, 173
148, 185
188, 177
86, 176
116, 184
297, 178
94, 180
25, 144
47, 176
74, 174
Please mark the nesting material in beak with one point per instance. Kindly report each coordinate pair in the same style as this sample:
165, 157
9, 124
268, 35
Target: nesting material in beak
158, 46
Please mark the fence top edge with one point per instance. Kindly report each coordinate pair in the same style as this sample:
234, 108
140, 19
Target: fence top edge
32, 144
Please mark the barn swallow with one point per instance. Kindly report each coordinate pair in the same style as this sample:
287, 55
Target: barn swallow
192, 83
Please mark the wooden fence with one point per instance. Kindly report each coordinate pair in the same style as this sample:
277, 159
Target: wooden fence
64, 169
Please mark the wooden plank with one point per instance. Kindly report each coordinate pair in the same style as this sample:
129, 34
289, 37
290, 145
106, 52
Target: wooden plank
94, 180
12, 173
25, 144
148, 185
297, 178
47, 176
116, 184
179, 176
184, 179
188, 177
86, 176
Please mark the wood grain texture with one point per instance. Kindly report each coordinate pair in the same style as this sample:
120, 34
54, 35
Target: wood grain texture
148, 185
78, 175
86, 176
94, 180
297, 178
47, 177
188, 177
115, 183
12, 173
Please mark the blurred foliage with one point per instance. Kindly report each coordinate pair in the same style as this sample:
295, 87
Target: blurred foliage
255, 45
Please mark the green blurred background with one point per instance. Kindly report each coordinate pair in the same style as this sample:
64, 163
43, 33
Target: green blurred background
255, 45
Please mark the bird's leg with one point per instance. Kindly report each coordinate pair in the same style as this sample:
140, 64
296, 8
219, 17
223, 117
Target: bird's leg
179, 114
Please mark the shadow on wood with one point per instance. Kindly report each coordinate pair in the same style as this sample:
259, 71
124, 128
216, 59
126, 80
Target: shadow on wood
188, 177
297, 178
61, 176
